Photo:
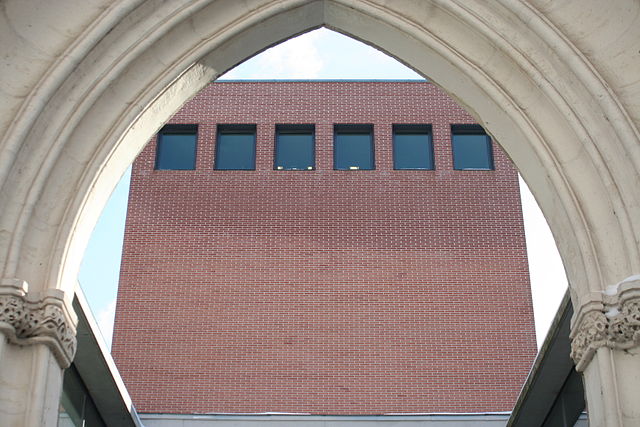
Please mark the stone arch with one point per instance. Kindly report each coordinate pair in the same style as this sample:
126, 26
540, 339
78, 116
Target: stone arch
526, 72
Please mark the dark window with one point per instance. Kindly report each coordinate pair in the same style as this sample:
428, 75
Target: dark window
236, 147
176, 148
353, 147
412, 147
471, 148
77, 407
295, 147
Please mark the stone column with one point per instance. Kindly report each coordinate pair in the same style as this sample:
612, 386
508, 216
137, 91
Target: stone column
606, 349
37, 343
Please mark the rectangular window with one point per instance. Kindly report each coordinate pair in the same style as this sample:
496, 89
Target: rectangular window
176, 147
353, 147
412, 147
236, 147
295, 147
471, 148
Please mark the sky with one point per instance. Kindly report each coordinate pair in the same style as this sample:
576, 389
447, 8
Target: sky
320, 54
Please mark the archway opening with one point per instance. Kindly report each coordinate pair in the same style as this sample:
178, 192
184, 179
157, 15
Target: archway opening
304, 47
549, 103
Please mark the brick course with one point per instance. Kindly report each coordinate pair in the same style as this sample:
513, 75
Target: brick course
323, 292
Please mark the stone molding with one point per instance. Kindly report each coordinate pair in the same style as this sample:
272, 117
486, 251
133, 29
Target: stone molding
38, 318
610, 319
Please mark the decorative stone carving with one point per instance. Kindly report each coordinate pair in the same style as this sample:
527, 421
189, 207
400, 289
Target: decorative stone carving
31, 319
609, 320
625, 328
591, 335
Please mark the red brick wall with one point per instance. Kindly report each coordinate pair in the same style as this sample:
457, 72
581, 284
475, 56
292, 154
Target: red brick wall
324, 292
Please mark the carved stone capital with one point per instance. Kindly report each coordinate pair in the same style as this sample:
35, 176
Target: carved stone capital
38, 318
610, 319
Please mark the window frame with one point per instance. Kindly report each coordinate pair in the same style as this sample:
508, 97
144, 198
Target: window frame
294, 129
472, 129
176, 129
354, 129
409, 128
222, 129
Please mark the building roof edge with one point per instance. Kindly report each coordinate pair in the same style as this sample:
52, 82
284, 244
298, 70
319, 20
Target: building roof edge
322, 81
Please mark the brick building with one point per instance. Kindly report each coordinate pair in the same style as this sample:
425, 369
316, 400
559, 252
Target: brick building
323, 247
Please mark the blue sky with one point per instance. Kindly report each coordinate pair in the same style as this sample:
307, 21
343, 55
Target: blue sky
320, 54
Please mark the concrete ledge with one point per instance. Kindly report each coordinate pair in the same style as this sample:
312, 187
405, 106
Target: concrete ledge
250, 420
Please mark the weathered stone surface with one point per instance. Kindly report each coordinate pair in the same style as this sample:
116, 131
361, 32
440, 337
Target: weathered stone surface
85, 84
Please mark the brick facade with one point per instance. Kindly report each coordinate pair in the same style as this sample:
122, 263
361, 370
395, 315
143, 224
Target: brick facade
324, 292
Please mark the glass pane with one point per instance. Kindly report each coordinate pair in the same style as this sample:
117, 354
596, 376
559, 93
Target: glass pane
353, 151
176, 151
77, 408
65, 420
472, 151
236, 151
68, 417
412, 151
91, 416
72, 399
294, 151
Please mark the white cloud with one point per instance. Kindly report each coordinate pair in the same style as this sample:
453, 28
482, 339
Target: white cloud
105, 320
297, 58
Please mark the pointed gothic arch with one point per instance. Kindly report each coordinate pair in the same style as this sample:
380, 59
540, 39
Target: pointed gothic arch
88, 87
